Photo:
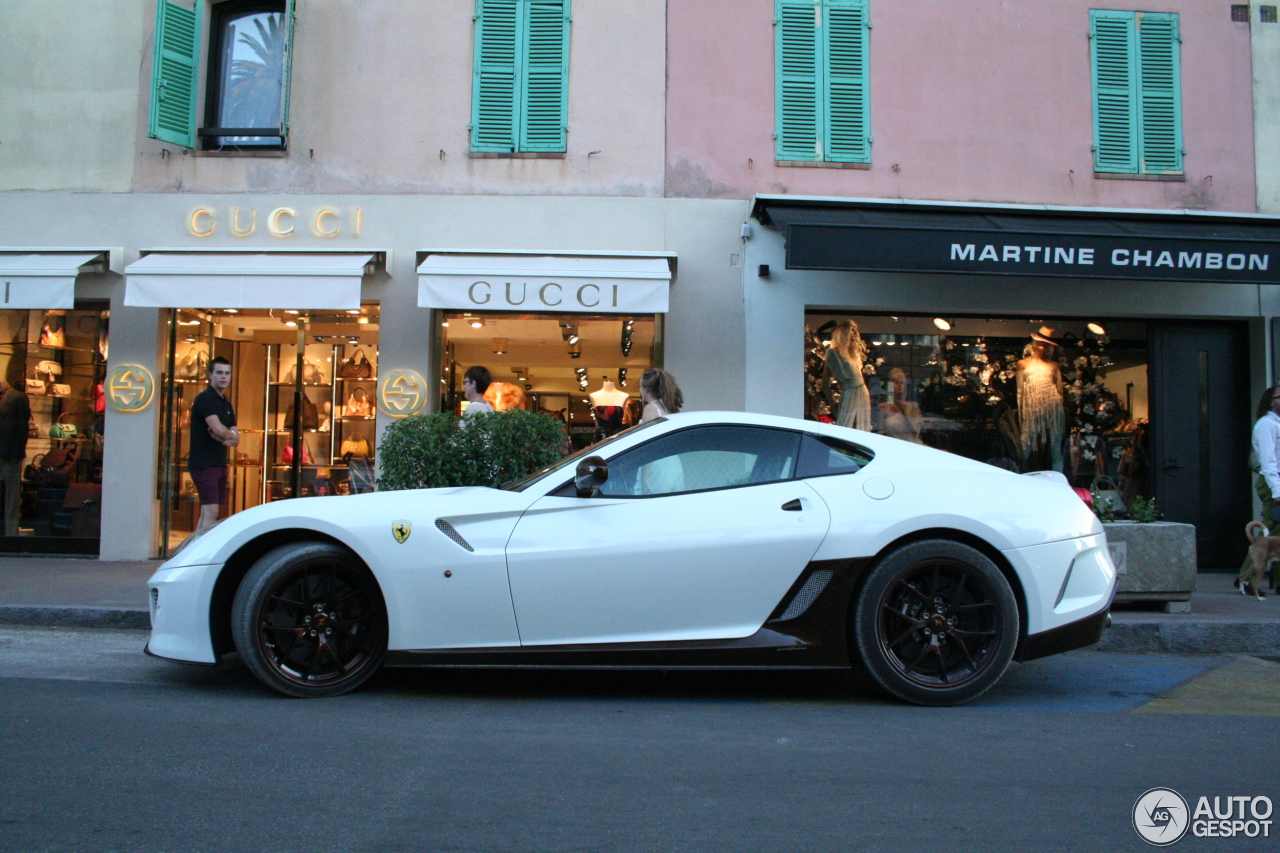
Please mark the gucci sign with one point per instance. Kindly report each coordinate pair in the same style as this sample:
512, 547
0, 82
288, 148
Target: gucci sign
129, 388
401, 393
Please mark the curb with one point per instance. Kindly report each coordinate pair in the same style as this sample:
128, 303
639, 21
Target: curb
1196, 637
75, 617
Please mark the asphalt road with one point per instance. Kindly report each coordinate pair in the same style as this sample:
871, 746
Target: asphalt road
104, 749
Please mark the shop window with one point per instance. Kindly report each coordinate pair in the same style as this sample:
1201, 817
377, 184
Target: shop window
822, 87
1064, 395
1137, 102
246, 100
520, 86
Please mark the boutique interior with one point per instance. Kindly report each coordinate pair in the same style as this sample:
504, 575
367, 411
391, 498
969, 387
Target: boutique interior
1026, 394
307, 425
582, 369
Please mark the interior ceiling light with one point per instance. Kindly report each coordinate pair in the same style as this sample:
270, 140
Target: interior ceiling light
290, 323
290, 311
477, 323
1096, 328
942, 323
363, 321
353, 310
445, 324
233, 310
573, 339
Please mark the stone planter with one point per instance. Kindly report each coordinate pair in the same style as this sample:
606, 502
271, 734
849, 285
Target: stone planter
1154, 562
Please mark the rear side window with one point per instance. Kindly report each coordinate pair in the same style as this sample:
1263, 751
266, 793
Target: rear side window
821, 455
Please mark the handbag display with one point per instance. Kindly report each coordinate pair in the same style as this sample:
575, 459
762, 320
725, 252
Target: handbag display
311, 374
358, 404
47, 371
193, 365
287, 454
356, 367
63, 428
310, 415
53, 333
35, 386
56, 389
355, 445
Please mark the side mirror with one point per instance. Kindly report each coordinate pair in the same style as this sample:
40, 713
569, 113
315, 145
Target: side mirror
591, 474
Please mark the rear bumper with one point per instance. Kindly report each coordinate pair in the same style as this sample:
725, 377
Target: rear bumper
1064, 638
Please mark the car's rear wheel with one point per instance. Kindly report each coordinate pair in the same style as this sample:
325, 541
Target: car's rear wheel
936, 623
309, 620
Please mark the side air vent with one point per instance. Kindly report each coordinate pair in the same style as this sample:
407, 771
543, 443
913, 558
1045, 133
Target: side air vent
812, 588
447, 529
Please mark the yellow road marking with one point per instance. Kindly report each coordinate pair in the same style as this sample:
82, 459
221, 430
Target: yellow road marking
1245, 687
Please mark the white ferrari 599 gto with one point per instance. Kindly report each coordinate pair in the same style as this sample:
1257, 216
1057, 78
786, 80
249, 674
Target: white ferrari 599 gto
710, 539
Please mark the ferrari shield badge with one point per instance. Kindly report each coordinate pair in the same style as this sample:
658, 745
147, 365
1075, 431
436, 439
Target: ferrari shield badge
401, 530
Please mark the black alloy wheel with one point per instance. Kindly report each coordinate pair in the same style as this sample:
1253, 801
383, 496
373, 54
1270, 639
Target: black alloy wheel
309, 620
936, 623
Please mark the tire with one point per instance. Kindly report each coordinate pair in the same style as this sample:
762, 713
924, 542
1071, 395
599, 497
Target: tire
309, 620
936, 623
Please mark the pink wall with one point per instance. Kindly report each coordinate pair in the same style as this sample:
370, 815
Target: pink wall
970, 101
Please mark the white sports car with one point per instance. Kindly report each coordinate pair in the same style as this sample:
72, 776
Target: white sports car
711, 539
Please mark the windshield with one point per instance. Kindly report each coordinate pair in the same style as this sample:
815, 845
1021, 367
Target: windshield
572, 458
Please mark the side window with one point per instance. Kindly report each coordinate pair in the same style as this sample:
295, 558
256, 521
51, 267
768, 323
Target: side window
717, 457
520, 78
821, 456
248, 51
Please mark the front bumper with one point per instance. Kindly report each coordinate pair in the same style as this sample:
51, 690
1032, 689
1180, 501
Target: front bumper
180, 599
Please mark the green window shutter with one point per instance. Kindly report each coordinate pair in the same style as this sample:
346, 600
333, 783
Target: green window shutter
493, 90
173, 74
796, 100
1160, 107
289, 12
544, 76
1115, 118
845, 101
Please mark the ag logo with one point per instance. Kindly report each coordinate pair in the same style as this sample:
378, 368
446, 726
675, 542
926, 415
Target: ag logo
129, 388
401, 393
401, 530
1160, 816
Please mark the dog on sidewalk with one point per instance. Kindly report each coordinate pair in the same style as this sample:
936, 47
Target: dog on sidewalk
1262, 550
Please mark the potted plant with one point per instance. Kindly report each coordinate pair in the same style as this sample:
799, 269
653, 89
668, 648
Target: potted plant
1155, 560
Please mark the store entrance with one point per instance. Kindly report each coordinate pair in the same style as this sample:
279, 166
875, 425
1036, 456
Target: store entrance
582, 369
303, 389
1200, 466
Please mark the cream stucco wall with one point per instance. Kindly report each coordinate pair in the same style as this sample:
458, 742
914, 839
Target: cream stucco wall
381, 103
68, 93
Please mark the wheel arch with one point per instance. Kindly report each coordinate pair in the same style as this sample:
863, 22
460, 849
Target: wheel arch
239, 564
964, 538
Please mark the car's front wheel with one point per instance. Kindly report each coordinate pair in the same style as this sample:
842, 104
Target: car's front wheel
309, 620
936, 623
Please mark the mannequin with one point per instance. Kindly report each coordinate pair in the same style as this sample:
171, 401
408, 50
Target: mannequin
844, 361
1041, 417
608, 406
901, 416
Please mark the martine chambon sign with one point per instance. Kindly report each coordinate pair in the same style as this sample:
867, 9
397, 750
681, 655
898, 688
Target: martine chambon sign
831, 247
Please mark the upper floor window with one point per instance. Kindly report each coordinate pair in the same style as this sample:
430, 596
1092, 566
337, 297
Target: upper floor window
519, 93
822, 95
1137, 102
246, 98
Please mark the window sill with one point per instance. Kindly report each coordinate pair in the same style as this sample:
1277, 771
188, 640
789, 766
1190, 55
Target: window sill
1125, 176
274, 152
516, 155
819, 164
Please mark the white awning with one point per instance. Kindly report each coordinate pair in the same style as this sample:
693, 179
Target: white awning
591, 284
243, 280
44, 280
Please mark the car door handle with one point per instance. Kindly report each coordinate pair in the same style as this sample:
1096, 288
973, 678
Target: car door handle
792, 506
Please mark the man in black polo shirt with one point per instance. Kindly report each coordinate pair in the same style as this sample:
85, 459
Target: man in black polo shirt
213, 430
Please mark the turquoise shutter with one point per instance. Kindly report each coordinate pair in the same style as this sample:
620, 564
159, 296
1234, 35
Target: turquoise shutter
1115, 120
796, 94
173, 74
845, 105
1160, 108
288, 69
545, 71
493, 90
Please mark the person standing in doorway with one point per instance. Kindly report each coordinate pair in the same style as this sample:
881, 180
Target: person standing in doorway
213, 430
660, 393
15, 420
1266, 450
474, 383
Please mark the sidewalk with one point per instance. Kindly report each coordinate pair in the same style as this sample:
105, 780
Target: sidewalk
73, 592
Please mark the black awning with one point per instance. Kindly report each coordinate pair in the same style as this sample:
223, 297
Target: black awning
836, 234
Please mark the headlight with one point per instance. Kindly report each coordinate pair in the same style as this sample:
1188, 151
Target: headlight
193, 537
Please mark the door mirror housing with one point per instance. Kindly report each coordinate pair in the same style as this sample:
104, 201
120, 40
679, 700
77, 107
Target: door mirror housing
591, 474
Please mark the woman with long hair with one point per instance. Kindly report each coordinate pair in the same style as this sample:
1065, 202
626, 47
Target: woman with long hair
660, 393
845, 359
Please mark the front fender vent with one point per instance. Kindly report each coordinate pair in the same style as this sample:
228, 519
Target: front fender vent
813, 587
447, 529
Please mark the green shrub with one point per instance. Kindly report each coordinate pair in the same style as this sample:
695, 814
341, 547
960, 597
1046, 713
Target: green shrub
1143, 510
430, 451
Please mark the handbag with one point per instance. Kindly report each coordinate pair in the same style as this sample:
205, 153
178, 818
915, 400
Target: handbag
288, 453
57, 465
34, 386
310, 374
194, 365
32, 473
48, 370
53, 333
1104, 489
356, 445
359, 405
353, 369
310, 415
56, 389
63, 429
